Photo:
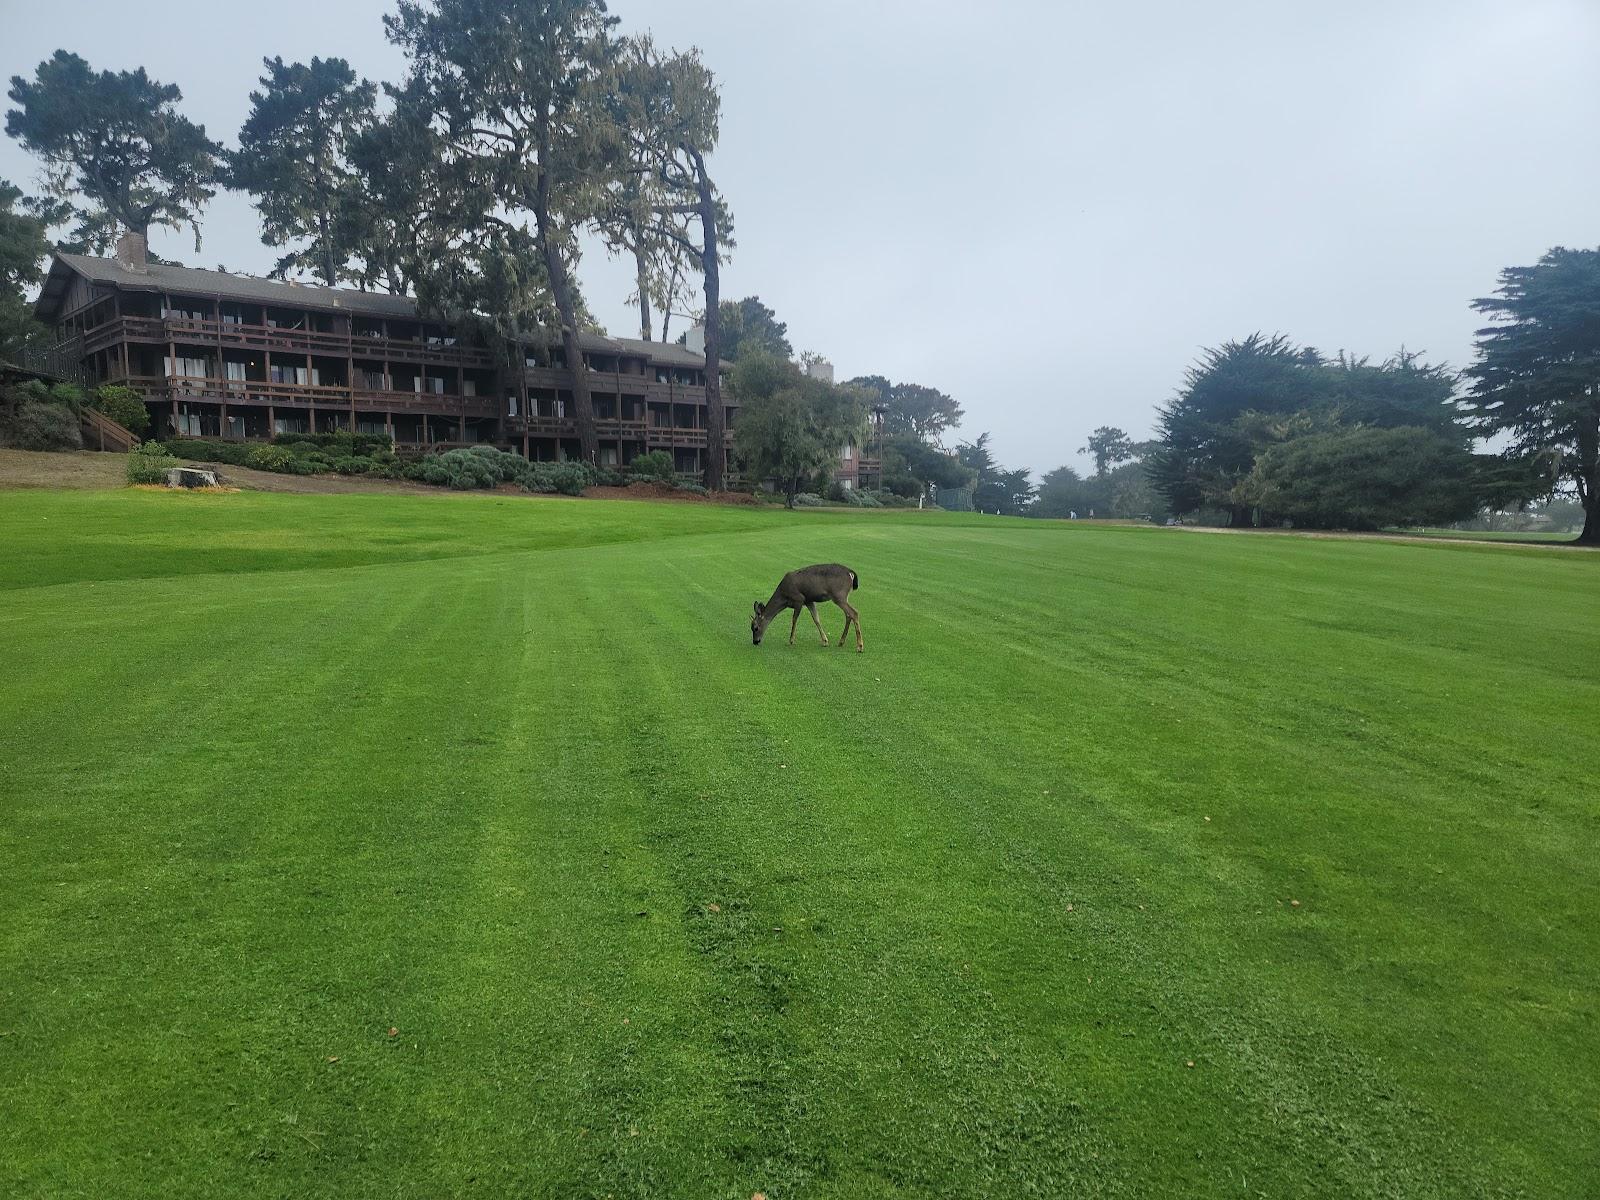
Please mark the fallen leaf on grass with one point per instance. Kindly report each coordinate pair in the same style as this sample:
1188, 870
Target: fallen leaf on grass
333, 1058
713, 908
1190, 1063
393, 1032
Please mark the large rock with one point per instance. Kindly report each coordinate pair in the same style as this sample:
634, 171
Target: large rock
190, 477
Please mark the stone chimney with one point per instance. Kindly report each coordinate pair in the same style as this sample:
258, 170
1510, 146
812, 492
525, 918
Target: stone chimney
695, 341
820, 368
132, 253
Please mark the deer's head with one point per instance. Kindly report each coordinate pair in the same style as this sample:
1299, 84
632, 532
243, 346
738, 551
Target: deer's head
758, 624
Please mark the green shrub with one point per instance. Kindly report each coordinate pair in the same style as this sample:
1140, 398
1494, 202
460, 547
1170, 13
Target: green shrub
123, 405
655, 465
807, 500
507, 467
269, 458
199, 450
338, 443
351, 465
694, 488
44, 425
568, 478
149, 463
609, 477
858, 498
463, 470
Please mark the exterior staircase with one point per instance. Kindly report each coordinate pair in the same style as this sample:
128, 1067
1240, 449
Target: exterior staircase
100, 432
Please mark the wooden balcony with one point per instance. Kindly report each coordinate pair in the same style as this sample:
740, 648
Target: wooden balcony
295, 395
620, 383
274, 339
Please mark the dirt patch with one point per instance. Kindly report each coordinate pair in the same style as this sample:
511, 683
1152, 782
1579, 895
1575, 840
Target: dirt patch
318, 485
659, 491
62, 469
95, 469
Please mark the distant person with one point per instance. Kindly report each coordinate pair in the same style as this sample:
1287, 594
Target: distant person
1072, 514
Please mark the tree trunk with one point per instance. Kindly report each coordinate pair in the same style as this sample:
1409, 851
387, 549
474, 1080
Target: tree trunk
643, 273
561, 292
716, 417
1240, 516
1591, 523
330, 270
1589, 483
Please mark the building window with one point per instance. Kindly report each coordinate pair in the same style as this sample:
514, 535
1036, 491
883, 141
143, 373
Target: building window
190, 368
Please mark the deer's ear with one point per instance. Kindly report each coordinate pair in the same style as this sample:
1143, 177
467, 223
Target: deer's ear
758, 608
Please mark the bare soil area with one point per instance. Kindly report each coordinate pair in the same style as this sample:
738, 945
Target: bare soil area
94, 469
62, 469
657, 491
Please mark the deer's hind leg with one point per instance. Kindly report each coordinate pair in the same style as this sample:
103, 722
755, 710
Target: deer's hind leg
795, 621
812, 609
851, 617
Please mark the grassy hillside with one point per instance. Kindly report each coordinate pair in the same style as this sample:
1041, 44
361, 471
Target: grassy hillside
381, 846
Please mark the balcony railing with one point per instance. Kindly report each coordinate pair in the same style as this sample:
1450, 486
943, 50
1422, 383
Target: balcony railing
297, 395
269, 338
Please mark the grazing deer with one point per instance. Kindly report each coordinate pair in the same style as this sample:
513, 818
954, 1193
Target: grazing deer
803, 589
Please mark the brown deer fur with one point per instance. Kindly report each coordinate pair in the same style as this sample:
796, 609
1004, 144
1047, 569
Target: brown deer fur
803, 589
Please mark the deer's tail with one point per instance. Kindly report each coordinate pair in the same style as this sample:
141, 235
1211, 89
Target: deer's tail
855, 581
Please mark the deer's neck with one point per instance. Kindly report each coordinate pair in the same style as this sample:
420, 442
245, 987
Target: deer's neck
773, 607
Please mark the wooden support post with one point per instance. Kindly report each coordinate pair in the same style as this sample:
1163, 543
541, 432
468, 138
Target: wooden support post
272, 423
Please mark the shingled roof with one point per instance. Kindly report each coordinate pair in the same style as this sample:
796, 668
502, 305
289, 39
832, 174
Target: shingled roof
168, 277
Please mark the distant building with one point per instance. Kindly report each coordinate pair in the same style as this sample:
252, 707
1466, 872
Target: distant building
820, 368
220, 355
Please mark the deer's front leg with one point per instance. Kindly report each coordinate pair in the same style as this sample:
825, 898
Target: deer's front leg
792, 623
812, 609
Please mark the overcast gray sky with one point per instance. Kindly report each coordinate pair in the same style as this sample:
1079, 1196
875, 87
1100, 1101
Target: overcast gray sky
1045, 209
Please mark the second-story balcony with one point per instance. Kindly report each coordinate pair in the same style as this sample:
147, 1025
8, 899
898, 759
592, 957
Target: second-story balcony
299, 395
276, 338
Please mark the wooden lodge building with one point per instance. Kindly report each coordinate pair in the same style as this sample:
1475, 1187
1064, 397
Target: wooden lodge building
219, 355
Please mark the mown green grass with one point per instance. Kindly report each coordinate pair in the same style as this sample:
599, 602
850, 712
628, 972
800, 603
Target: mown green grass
1485, 535
657, 913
